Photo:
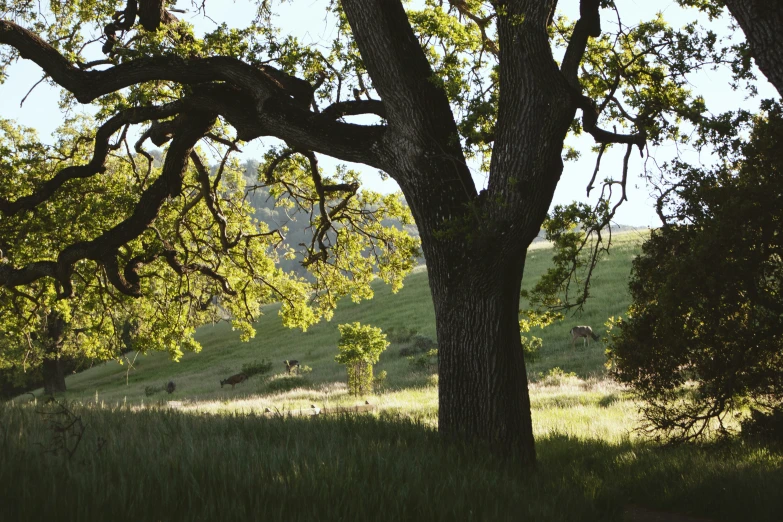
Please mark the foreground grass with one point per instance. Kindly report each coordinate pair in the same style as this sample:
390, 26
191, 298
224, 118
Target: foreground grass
154, 464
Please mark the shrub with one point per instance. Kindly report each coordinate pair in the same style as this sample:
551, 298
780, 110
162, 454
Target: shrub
360, 347
423, 343
425, 363
400, 335
555, 377
170, 387
257, 367
152, 390
408, 351
531, 346
379, 381
702, 336
764, 424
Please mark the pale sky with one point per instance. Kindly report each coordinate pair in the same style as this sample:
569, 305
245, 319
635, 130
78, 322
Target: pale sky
305, 19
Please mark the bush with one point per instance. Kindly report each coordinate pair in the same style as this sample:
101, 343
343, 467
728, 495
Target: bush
257, 367
764, 425
408, 351
152, 390
400, 335
530, 347
702, 337
554, 377
379, 381
425, 363
360, 347
419, 344
423, 343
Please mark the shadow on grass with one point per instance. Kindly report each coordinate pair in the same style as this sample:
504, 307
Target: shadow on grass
166, 465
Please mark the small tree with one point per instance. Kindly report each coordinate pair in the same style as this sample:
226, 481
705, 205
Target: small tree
360, 347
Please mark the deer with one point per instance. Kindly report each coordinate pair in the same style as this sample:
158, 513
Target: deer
291, 365
234, 380
582, 331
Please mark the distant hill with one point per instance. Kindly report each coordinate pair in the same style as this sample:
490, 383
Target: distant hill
197, 376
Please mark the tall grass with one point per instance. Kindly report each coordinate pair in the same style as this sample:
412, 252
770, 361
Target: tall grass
156, 464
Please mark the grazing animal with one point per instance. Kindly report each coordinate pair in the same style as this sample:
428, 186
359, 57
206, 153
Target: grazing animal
291, 365
170, 387
234, 380
582, 331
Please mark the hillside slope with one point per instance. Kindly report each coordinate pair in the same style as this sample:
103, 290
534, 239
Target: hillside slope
197, 376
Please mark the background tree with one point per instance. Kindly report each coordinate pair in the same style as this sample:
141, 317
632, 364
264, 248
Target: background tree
360, 348
703, 333
443, 83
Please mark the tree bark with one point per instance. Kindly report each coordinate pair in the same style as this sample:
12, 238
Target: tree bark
482, 376
762, 23
54, 336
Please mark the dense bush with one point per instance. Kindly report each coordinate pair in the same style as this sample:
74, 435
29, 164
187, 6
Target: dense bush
400, 335
702, 337
425, 363
257, 367
360, 348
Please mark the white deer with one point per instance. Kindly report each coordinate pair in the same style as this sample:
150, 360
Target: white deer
582, 331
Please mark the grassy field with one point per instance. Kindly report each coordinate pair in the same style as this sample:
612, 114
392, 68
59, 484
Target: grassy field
206, 453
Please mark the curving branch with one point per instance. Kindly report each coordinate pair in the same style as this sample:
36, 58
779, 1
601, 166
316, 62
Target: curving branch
464, 9
190, 127
588, 25
96, 165
209, 198
590, 125
354, 108
258, 101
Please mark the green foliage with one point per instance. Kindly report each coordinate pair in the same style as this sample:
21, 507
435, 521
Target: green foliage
765, 425
400, 335
555, 377
261, 367
423, 343
152, 390
379, 382
531, 346
702, 336
425, 363
360, 348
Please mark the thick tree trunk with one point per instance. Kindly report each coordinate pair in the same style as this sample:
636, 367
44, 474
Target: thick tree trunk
53, 374
54, 377
762, 22
482, 375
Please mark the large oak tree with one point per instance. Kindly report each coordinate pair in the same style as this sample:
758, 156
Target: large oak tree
498, 82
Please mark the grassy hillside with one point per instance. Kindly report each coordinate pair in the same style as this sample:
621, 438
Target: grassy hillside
197, 376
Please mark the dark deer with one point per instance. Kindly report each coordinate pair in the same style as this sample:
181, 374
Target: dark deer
582, 331
291, 365
234, 380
